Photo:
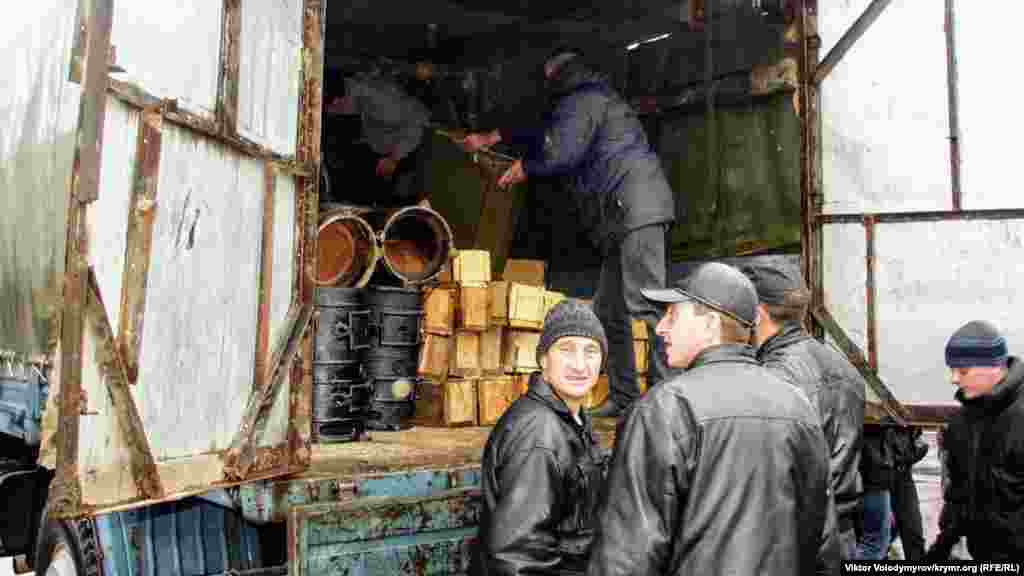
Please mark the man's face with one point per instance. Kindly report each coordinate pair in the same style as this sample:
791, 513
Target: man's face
571, 366
977, 381
685, 334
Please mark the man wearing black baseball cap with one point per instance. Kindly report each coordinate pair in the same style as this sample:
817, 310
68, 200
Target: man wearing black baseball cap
831, 383
722, 469
984, 446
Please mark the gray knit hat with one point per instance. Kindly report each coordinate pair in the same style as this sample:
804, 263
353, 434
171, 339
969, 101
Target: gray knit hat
572, 317
976, 343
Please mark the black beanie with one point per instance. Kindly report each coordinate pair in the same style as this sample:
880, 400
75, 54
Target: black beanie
976, 343
572, 317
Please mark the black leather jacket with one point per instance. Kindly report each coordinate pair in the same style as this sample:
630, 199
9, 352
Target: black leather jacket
720, 470
983, 446
541, 475
836, 389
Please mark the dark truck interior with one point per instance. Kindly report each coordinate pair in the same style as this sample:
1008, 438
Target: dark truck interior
732, 159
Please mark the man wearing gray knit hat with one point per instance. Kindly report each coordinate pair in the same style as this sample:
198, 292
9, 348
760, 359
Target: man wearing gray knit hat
542, 468
983, 445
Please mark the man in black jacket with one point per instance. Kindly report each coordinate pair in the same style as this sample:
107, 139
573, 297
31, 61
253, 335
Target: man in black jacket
542, 467
595, 139
831, 383
983, 445
724, 468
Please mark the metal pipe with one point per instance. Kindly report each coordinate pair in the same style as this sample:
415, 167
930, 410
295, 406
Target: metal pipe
869, 288
936, 216
953, 86
848, 39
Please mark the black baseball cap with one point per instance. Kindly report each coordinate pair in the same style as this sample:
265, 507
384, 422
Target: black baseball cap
717, 286
774, 279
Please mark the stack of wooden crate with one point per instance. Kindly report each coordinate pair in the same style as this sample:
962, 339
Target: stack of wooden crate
599, 393
480, 339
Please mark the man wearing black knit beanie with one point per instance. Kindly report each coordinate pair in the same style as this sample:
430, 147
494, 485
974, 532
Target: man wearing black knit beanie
542, 468
983, 445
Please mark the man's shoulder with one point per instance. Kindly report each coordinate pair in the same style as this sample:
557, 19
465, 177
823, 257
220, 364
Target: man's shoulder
527, 424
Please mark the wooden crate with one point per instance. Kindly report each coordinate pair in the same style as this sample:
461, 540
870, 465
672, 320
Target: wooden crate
474, 311
522, 383
490, 350
550, 299
640, 353
494, 396
435, 352
465, 358
639, 329
598, 393
525, 306
529, 272
448, 403
472, 267
498, 301
642, 382
519, 350
439, 311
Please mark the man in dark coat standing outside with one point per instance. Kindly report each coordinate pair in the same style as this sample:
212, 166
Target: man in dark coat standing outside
831, 383
724, 468
596, 139
983, 444
542, 468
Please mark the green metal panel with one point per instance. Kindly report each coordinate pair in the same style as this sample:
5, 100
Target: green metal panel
755, 204
386, 535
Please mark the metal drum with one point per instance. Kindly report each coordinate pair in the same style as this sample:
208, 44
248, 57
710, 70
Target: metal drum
415, 244
341, 397
390, 362
347, 250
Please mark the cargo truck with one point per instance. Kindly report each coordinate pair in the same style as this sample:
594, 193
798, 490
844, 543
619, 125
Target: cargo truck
161, 172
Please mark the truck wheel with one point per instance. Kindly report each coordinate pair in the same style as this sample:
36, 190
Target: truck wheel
67, 548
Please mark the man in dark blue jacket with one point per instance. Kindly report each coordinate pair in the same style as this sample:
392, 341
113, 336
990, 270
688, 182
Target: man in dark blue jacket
594, 138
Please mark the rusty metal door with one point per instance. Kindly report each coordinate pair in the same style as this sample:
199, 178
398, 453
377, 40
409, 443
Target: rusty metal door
909, 228
184, 342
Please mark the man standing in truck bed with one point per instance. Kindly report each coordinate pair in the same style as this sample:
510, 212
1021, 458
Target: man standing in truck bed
595, 138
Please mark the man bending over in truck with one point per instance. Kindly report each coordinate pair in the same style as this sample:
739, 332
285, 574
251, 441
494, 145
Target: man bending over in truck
542, 467
594, 138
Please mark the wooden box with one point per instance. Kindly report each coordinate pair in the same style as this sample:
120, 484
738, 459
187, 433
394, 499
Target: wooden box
465, 359
519, 349
494, 396
642, 382
598, 393
490, 350
448, 403
550, 299
525, 306
439, 311
522, 383
474, 311
639, 329
640, 352
498, 301
524, 271
472, 267
435, 352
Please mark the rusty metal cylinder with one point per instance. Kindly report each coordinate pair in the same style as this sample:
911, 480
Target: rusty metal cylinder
347, 250
415, 244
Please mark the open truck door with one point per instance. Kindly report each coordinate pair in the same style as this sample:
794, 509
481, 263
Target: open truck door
159, 167
909, 231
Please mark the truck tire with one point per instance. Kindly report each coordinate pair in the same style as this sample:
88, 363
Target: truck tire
67, 548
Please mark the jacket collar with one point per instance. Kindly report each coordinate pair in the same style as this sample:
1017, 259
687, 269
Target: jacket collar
741, 353
1003, 394
789, 333
542, 392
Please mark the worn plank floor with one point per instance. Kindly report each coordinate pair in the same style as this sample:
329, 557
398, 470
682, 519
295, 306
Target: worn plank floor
416, 448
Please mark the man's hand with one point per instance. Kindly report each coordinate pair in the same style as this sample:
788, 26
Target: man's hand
476, 141
514, 175
386, 167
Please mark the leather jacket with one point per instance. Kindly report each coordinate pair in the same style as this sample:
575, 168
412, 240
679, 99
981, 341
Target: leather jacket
983, 445
720, 470
836, 390
540, 476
